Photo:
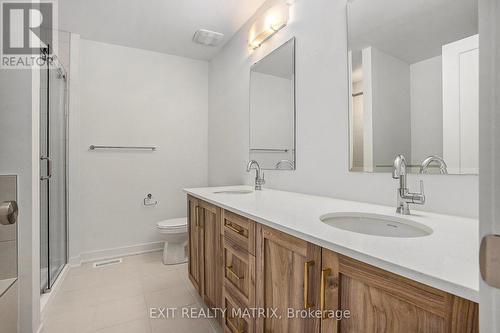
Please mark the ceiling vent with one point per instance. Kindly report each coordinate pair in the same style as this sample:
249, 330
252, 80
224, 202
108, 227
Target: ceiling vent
207, 37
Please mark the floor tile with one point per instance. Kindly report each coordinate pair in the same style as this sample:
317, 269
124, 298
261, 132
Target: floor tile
75, 321
174, 297
167, 280
117, 298
180, 325
118, 312
135, 326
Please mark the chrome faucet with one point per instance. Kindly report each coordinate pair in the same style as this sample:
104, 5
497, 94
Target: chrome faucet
443, 168
287, 163
259, 180
405, 197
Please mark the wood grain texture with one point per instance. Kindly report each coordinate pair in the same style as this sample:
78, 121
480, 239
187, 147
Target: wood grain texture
242, 264
194, 240
211, 266
245, 237
464, 317
280, 280
433, 300
374, 310
330, 261
234, 321
380, 301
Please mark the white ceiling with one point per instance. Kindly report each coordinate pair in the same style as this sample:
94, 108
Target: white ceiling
165, 26
411, 30
279, 63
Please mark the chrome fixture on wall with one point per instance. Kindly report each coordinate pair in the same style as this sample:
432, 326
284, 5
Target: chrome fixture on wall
94, 147
405, 197
259, 180
443, 168
287, 164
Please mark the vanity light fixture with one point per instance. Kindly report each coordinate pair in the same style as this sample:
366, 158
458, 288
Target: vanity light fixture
273, 20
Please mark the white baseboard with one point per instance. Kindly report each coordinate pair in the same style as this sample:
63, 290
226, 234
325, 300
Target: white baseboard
115, 252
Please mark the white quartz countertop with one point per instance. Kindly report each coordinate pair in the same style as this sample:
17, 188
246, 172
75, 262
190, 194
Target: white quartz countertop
447, 259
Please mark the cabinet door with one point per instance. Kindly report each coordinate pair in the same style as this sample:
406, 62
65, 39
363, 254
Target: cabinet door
288, 271
380, 301
194, 242
210, 264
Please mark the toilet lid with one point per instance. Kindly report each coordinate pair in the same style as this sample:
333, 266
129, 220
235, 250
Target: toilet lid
173, 223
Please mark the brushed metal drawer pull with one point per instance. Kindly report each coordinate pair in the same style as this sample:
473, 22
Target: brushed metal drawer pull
307, 265
238, 231
324, 273
198, 223
231, 271
233, 327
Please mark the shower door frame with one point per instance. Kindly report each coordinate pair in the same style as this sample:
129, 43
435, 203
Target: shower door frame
46, 288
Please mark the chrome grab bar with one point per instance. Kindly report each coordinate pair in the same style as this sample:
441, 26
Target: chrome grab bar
270, 150
94, 147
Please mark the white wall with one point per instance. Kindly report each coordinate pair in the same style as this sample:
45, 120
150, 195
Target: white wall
390, 84
19, 130
322, 118
426, 109
272, 120
135, 97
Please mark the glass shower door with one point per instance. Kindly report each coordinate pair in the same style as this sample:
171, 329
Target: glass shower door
53, 145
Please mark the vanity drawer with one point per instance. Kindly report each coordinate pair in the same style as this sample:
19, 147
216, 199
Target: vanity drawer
239, 272
235, 320
240, 230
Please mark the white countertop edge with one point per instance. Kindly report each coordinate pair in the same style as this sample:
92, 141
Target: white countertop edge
458, 290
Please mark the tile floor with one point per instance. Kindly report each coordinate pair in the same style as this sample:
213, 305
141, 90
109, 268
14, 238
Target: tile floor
117, 298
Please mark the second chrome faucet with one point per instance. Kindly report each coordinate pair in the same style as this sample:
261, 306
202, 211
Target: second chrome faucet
259, 175
405, 197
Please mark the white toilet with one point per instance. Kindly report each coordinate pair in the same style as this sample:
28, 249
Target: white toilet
175, 234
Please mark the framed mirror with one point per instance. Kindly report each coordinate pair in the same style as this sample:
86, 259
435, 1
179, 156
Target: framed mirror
414, 83
272, 109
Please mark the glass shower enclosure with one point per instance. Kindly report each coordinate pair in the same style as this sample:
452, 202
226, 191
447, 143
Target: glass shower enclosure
53, 170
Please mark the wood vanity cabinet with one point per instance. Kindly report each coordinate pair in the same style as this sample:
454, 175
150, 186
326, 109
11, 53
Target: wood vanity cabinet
380, 301
236, 263
205, 251
288, 272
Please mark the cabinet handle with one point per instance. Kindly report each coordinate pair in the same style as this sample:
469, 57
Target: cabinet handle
307, 265
233, 273
238, 231
324, 273
197, 213
198, 224
233, 327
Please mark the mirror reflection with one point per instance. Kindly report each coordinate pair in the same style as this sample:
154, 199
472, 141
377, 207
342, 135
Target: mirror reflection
414, 82
272, 109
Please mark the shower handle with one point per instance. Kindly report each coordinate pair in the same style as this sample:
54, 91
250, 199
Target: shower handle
49, 167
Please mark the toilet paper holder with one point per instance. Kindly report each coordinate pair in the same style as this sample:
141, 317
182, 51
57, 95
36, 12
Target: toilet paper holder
149, 200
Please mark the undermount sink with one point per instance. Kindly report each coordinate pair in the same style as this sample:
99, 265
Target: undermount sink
376, 225
233, 192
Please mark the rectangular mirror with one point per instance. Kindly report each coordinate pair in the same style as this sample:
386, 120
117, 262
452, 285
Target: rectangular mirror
414, 84
272, 109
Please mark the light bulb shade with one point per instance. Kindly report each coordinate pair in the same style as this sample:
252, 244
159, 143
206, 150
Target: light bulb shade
273, 20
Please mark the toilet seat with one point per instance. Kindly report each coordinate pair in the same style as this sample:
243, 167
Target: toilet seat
173, 226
